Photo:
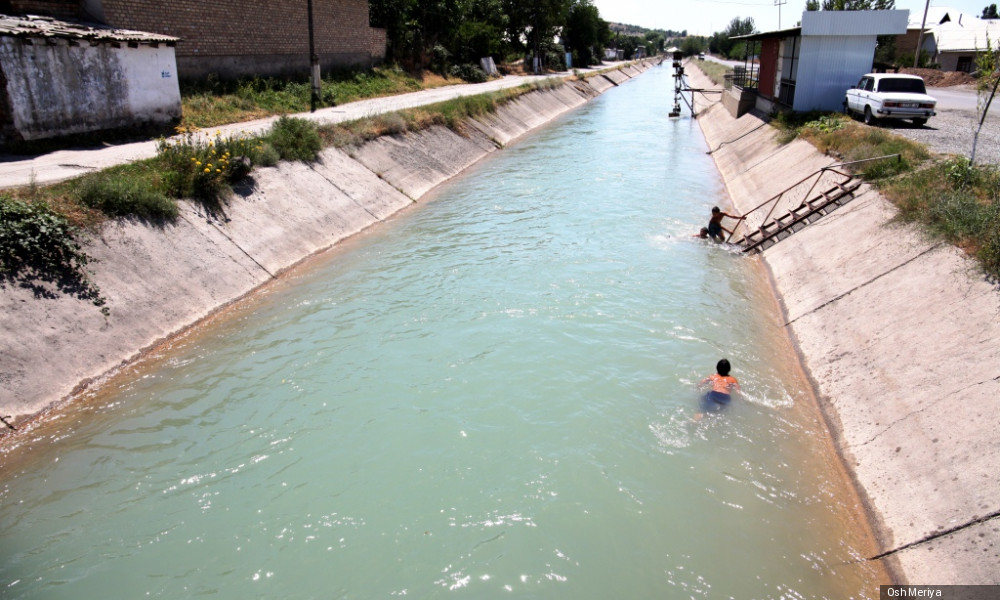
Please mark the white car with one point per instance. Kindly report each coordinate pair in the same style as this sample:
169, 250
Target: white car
890, 96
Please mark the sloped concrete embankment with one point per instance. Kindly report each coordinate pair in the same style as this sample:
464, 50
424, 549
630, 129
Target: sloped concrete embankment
901, 337
161, 280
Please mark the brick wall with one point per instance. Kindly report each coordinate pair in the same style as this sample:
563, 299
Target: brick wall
240, 37
60, 9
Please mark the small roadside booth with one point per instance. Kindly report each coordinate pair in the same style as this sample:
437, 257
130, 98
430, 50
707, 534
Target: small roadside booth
59, 78
811, 66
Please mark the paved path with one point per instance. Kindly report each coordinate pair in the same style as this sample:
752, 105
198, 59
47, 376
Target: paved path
19, 171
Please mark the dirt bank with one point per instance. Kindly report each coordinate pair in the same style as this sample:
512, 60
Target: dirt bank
160, 281
901, 338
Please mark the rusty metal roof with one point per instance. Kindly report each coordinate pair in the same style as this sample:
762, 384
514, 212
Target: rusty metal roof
32, 26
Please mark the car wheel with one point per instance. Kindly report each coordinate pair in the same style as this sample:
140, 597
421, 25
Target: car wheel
847, 109
920, 122
869, 117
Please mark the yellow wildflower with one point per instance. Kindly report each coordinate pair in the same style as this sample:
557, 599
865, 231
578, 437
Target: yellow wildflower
207, 170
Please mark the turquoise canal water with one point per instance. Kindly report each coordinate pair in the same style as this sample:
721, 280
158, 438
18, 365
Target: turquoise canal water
490, 396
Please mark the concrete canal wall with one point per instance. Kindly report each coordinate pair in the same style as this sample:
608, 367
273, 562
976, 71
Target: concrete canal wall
901, 337
162, 280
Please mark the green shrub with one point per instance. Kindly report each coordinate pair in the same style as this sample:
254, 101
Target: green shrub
962, 173
295, 139
195, 166
118, 195
989, 253
38, 249
470, 73
825, 124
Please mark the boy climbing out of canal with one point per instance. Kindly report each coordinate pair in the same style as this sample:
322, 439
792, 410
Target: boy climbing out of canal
722, 385
715, 227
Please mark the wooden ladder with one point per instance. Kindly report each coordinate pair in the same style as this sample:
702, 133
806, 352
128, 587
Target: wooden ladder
798, 218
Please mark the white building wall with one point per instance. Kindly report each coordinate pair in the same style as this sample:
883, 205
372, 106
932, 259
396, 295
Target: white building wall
57, 89
828, 65
153, 90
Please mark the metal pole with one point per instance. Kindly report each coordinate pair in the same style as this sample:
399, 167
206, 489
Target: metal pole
920, 35
314, 61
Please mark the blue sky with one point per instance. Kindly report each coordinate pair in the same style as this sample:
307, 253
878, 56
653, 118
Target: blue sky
704, 17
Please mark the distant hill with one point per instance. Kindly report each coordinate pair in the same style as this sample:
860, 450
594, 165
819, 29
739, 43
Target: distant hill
642, 31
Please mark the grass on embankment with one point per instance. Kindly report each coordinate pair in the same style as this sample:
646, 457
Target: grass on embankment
40, 226
451, 114
952, 199
714, 71
214, 102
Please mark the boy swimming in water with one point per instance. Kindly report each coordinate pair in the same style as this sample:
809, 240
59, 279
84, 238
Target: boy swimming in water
722, 385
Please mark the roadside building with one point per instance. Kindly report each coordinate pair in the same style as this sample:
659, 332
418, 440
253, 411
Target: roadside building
917, 28
59, 78
233, 38
954, 43
809, 67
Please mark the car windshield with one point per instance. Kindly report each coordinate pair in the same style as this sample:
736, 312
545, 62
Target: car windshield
911, 86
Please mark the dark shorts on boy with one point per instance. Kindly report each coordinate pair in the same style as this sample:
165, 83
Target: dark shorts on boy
715, 229
714, 401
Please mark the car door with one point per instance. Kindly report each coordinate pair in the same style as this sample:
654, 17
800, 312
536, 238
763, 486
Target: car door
855, 96
868, 95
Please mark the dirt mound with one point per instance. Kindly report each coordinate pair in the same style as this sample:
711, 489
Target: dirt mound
939, 78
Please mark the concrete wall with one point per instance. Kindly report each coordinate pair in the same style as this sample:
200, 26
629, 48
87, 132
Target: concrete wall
54, 88
159, 281
901, 339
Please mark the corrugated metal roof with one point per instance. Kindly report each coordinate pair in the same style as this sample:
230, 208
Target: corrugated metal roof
935, 16
968, 35
44, 27
778, 33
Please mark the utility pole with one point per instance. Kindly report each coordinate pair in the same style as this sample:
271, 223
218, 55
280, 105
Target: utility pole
778, 3
314, 61
920, 35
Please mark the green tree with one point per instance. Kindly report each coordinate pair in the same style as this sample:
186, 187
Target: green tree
990, 12
533, 24
480, 32
393, 16
987, 63
435, 32
859, 4
585, 33
693, 45
722, 43
655, 42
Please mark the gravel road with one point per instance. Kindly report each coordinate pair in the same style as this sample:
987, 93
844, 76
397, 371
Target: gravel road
952, 130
